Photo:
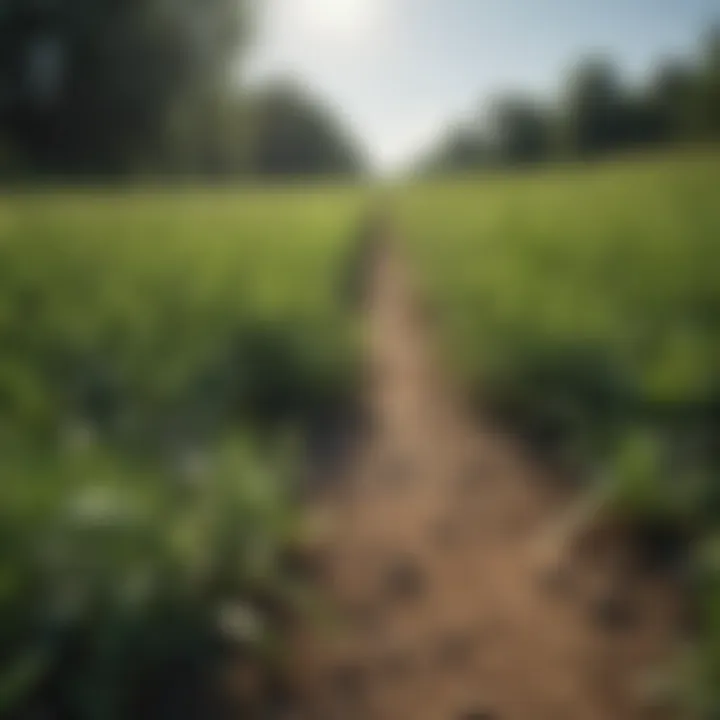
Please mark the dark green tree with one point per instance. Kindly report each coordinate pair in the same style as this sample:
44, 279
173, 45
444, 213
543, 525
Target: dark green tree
710, 86
91, 86
673, 93
294, 133
520, 131
594, 109
462, 148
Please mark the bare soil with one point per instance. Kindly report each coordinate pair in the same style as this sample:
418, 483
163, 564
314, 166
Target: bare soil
459, 583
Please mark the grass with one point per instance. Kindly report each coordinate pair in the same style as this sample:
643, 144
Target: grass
148, 301
158, 353
592, 286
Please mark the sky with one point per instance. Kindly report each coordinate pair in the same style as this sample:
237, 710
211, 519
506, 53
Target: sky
400, 70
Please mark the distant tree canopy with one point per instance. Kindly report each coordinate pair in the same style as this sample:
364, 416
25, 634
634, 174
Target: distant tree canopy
126, 87
90, 86
461, 148
598, 114
294, 134
519, 131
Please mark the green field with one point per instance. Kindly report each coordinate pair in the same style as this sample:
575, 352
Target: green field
159, 353
578, 297
162, 352
140, 304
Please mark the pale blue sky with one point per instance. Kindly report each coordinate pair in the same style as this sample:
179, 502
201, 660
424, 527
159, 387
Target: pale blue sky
400, 69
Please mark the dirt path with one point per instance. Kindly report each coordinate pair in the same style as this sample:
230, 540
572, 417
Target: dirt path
458, 593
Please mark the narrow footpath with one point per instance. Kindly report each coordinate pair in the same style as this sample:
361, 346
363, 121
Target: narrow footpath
459, 588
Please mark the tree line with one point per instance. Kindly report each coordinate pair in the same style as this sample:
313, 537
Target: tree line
599, 113
126, 88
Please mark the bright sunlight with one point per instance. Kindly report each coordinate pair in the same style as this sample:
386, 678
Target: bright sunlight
340, 20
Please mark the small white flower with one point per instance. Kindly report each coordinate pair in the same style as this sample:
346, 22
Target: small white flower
241, 623
100, 505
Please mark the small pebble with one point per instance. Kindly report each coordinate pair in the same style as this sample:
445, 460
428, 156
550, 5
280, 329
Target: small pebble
477, 714
613, 613
556, 580
445, 532
455, 649
396, 664
405, 580
349, 681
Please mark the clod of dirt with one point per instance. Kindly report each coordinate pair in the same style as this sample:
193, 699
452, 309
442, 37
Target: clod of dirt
445, 532
396, 664
556, 580
398, 474
472, 477
366, 617
477, 714
305, 564
612, 612
404, 579
349, 681
455, 650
